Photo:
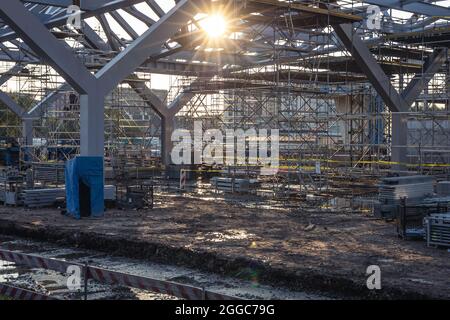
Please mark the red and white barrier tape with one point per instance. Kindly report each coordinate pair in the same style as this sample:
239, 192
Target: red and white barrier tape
36, 261
21, 294
158, 286
183, 178
112, 277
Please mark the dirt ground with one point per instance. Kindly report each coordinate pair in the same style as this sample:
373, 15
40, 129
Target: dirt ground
315, 251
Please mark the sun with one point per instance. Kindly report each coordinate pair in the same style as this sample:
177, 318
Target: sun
214, 25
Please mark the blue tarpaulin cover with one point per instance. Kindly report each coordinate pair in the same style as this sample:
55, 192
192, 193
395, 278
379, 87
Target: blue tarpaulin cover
90, 171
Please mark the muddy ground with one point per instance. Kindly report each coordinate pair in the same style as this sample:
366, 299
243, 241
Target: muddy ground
314, 250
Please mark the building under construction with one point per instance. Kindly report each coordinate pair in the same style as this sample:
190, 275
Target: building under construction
288, 147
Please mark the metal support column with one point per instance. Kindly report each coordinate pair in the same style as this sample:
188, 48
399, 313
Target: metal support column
399, 104
167, 128
399, 141
92, 125
27, 135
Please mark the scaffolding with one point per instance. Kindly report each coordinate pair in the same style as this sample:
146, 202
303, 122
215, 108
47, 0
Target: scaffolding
333, 125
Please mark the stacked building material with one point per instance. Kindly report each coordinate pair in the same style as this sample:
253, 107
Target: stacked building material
232, 185
437, 228
49, 173
414, 189
393, 189
35, 198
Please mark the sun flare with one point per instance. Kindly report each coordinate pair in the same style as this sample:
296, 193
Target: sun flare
214, 25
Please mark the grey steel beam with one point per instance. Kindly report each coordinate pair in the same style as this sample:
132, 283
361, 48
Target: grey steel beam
411, 26
15, 56
12, 105
152, 66
109, 33
148, 95
11, 73
150, 98
178, 68
133, 81
398, 104
43, 43
91, 98
92, 120
27, 138
161, 66
93, 39
155, 7
180, 101
36, 35
420, 81
419, 7
39, 108
186, 96
369, 65
5, 50
5, 98
83, 4
399, 141
54, 3
124, 25
23, 48
21, 52
147, 45
27, 123
410, 94
138, 85
61, 19
139, 15
167, 128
